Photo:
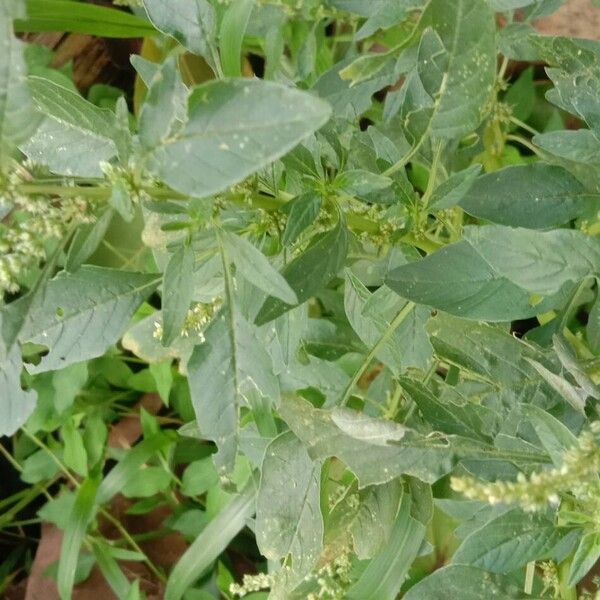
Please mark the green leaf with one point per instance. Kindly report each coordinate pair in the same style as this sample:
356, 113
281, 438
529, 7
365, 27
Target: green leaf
466, 583
460, 85
191, 22
81, 516
110, 568
74, 455
254, 266
554, 436
178, 292
586, 556
222, 371
198, 477
129, 467
75, 137
17, 114
509, 542
580, 146
302, 212
536, 196
385, 574
373, 526
593, 326
81, 314
86, 240
213, 540
16, 404
442, 416
363, 444
493, 272
453, 190
309, 272
234, 128
490, 353
231, 36
164, 107
65, 15
288, 517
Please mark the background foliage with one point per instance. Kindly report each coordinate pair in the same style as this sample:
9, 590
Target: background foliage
334, 326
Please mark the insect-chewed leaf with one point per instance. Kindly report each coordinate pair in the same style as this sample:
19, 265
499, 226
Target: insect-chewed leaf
81, 314
288, 514
373, 460
493, 272
234, 128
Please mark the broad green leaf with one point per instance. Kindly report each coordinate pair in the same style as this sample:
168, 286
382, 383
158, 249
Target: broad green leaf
64, 15
234, 128
231, 36
288, 517
86, 240
453, 190
466, 583
373, 318
301, 214
536, 196
490, 353
178, 292
213, 540
593, 326
494, 271
460, 91
16, 404
580, 146
554, 436
509, 542
373, 525
81, 314
229, 365
309, 272
164, 108
191, 22
442, 416
385, 574
254, 266
17, 114
576, 76
74, 454
363, 444
81, 516
586, 556
75, 136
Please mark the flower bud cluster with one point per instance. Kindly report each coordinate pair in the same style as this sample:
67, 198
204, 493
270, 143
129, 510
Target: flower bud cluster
197, 318
577, 475
34, 221
250, 584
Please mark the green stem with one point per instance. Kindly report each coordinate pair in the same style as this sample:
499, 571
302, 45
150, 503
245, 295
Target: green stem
566, 592
529, 576
398, 320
